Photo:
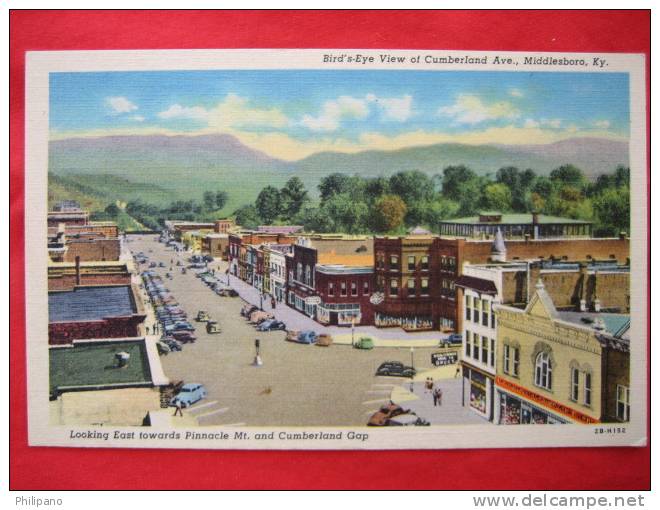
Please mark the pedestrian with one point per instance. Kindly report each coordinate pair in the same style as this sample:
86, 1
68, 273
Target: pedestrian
458, 372
429, 385
178, 409
437, 397
272, 302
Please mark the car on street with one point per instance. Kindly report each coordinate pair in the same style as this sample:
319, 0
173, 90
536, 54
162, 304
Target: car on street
226, 292
212, 327
396, 369
365, 343
407, 420
202, 316
189, 394
307, 337
184, 336
248, 309
173, 344
258, 316
292, 335
152, 264
161, 264
386, 412
163, 348
452, 340
324, 340
271, 325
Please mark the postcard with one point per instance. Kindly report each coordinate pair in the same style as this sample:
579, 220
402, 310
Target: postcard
336, 249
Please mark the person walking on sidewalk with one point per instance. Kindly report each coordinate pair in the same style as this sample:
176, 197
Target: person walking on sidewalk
437, 397
428, 385
272, 302
178, 409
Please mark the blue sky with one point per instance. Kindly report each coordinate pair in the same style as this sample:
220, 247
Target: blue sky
291, 114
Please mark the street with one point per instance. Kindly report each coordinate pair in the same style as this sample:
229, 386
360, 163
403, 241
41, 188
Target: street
298, 385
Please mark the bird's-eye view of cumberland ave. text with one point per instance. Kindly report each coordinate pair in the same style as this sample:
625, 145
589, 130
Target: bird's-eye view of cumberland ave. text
339, 248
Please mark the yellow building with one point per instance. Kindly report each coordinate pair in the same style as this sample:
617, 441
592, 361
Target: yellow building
560, 366
194, 239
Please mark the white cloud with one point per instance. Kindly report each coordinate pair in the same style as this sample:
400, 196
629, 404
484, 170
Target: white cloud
176, 111
336, 110
516, 93
120, 104
137, 118
531, 124
552, 123
232, 112
602, 124
393, 108
470, 109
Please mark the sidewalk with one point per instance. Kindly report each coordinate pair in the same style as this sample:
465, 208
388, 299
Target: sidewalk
295, 320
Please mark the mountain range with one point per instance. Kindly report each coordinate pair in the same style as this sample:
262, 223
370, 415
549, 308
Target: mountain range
189, 165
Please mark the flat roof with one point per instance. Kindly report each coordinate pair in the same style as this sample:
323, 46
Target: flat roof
91, 303
615, 323
93, 365
515, 219
343, 269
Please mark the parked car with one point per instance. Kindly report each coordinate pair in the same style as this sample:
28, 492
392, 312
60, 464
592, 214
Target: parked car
184, 336
452, 340
393, 368
307, 337
182, 325
202, 316
271, 325
292, 335
365, 343
207, 258
161, 264
163, 348
380, 417
152, 264
173, 344
407, 420
248, 309
258, 316
189, 394
212, 327
324, 340
226, 292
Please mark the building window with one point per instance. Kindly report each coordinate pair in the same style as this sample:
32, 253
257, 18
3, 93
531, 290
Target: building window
354, 289
425, 263
475, 346
492, 317
622, 402
299, 275
411, 263
411, 287
492, 352
484, 349
477, 307
365, 288
587, 389
516, 361
308, 275
543, 371
394, 288
343, 288
575, 384
331, 289
484, 315
506, 359
468, 343
394, 263
425, 287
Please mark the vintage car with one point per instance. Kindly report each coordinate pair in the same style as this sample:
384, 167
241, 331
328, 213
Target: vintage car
184, 336
202, 316
453, 340
395, 368
171, 343
271, 325
189, 394
307, 337
212, 327
248, 309
407, 420
324, 340
163, 348
258, 316
365, 343
385, 413
292, 335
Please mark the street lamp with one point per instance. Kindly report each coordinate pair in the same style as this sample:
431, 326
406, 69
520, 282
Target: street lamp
412, 364
257, 358
353, 332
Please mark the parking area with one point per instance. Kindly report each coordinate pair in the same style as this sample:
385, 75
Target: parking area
297, 385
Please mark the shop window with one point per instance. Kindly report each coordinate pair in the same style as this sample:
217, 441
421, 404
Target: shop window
365, 288
411, 287
425, 287
575, 384
343, 289
411, 263
543, 371
425, 263
354, 289
331, 289
622, 402
394, 288
587, 389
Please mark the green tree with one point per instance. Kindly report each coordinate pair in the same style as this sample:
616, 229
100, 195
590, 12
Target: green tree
462, 185
543, 187
220, 199
247, 216
333, 184
568, 175
347, 215
375, 188
411, 186
314, 219
438, 210
293, 196
112, 210
612, 211
209, 200
389, 212
269, 204
497, 196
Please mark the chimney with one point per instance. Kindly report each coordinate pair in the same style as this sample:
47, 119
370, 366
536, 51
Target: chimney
77, 270
622, 235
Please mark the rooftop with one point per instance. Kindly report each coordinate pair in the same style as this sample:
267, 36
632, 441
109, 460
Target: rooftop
514, 219
478, 284
342, 269
91, 303
616, 324
93, 365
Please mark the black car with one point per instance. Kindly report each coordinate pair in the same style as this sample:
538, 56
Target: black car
395, 368
272, 325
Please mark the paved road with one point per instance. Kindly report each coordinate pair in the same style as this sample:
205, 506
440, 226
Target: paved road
298, 385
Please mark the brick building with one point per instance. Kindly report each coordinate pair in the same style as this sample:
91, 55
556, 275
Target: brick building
94, 312
344, 293
68, 217
223, 226
216, 245
68, 275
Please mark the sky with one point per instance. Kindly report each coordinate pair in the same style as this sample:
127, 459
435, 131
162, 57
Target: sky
293, 114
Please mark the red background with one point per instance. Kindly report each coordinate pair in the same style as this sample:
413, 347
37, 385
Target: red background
71, 468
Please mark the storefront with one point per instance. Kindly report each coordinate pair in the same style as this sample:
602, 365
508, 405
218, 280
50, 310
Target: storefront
338, 314
478, 391
515, 411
